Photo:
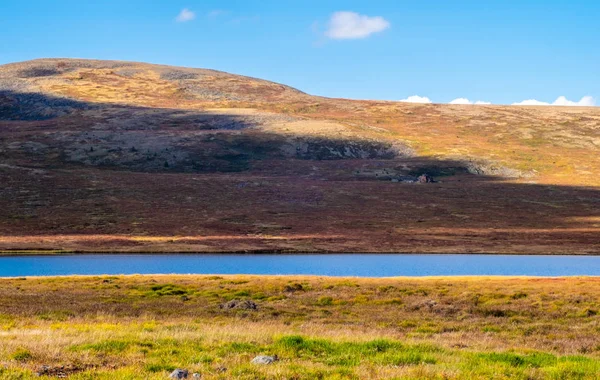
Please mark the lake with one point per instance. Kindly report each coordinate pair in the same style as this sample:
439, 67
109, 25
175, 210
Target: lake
360, 265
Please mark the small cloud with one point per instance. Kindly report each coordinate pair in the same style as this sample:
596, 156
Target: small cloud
416, 99
467, 101
531, 102
586, 101
461, 101
185, 15
351, 25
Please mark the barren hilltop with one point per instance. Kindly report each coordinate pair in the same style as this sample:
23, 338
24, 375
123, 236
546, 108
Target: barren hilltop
133, 157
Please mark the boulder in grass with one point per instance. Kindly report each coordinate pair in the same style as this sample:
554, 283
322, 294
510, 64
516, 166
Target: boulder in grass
265, 360
179, 374
237, 304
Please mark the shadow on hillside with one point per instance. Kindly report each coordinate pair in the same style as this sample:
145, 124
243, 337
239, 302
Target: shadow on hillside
31, 106
302, 183
161, 139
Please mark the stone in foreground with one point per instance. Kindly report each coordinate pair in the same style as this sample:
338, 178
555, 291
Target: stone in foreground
263, 359
179, 374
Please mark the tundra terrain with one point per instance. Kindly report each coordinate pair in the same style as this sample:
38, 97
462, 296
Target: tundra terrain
129, 157
144, 327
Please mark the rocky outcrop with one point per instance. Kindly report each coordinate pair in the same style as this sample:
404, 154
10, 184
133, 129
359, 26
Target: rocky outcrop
329, 149
496, 170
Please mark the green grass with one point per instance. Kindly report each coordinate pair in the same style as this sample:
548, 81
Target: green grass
22, 355
303, 357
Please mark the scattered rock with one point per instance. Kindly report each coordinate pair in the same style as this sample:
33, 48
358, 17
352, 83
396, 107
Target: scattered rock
196, 376
175, 75
239, 304
490, 168
264, 360
221, 369
316, 148
179, 374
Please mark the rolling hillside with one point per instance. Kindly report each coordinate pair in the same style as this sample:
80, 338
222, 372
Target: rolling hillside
132, 157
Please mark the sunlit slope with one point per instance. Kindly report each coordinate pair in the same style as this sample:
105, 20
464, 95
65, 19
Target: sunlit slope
543, 144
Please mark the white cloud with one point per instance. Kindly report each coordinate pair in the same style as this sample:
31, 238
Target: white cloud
467, 101
351, 25
586, 101
416, 99
461, 101
531, 102
185, 15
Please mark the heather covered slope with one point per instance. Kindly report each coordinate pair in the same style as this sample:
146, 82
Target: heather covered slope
121, 156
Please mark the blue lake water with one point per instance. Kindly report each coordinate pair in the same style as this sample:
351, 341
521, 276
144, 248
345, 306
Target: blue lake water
360, 265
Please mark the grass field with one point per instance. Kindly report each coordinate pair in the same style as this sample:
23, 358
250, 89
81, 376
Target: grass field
143, 327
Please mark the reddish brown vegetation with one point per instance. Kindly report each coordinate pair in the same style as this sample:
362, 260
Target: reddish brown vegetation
144, 161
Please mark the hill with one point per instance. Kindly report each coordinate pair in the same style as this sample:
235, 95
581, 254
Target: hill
122, 156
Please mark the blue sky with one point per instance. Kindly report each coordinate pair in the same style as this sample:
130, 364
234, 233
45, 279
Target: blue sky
494, 51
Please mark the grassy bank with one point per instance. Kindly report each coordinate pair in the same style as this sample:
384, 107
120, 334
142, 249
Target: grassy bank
142, 327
